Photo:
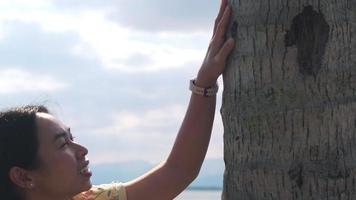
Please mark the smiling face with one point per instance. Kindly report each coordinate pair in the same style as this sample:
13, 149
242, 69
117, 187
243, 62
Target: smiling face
63, 167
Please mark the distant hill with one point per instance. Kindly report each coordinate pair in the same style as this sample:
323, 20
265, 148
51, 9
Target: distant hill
210, 176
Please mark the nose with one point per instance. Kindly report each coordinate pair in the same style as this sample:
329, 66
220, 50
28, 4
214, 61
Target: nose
81, 151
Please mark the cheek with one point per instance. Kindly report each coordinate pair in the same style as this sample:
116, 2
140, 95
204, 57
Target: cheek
60, 163
59, 171
59, 168
64, 160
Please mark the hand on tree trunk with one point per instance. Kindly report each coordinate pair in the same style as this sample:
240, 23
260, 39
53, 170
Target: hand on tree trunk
218, 51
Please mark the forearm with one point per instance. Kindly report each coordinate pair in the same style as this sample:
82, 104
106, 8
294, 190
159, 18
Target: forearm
172, 176
193, 138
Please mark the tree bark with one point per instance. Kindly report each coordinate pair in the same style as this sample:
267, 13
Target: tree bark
289, 101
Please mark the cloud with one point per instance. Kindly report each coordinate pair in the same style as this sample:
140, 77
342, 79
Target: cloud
18, 81
144, 135
152, 121
29, 46
79, 4
89, 38
153, 15
5, 4
162, 15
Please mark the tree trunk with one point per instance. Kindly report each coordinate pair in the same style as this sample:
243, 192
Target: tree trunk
289, 101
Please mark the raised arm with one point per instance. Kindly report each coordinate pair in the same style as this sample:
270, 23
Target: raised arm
182, 166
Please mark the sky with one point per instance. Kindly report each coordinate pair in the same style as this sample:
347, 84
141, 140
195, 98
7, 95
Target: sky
116, 71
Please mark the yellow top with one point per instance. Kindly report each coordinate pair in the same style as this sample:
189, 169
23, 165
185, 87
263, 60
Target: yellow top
113, 191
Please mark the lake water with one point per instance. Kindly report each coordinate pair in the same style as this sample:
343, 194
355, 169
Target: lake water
200, 195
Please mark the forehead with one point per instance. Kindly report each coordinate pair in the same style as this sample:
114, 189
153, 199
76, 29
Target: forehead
48, 126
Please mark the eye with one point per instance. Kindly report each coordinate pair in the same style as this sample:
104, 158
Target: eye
64, 144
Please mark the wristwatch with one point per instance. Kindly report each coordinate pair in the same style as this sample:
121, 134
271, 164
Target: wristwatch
206, 92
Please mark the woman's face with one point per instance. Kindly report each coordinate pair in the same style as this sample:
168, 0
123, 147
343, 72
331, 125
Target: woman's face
63, 167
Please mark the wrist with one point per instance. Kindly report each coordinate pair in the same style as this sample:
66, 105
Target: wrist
205, 82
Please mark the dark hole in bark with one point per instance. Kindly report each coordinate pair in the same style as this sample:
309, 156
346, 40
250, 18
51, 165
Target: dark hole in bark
310, 33
237, 138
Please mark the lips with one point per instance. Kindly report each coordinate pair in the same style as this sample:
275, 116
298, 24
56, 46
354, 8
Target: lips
85, 170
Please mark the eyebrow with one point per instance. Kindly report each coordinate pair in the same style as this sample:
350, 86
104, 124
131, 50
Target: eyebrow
61, 135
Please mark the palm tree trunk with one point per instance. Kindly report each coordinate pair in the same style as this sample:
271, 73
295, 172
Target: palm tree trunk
289, 101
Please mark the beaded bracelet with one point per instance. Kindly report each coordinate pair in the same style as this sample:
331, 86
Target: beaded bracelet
206, 92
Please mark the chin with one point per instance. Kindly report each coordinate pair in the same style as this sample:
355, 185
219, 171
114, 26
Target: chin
88, 185
85, 186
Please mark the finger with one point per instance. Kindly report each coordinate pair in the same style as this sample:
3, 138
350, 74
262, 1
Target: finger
225, 50
224, 22
223, 5
219, 36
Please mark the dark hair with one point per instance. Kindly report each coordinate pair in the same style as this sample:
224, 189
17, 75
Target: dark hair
18, 145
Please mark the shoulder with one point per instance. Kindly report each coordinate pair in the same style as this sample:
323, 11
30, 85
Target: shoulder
112, 191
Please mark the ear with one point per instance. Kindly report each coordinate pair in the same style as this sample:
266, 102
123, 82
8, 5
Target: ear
21, 178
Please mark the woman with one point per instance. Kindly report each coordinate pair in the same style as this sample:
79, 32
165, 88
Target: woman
40, 161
